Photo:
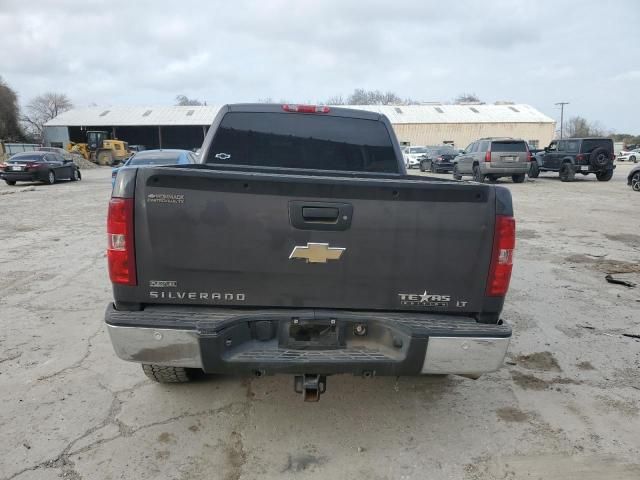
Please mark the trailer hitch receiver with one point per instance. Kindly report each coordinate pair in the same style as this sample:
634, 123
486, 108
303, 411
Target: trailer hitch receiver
310, 386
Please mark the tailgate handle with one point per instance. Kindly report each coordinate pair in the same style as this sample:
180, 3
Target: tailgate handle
320, 214
309, 215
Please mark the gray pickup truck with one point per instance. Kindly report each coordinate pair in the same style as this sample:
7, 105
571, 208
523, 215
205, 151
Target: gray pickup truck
300, 245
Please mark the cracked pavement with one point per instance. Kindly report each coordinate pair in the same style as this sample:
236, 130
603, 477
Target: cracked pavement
565, 405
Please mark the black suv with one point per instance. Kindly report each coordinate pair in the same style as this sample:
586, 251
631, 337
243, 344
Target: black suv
576, 155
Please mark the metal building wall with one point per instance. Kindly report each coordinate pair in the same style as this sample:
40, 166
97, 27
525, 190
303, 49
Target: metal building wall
56, 135
462, 134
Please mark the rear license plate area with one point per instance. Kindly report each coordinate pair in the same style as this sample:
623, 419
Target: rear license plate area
312, 335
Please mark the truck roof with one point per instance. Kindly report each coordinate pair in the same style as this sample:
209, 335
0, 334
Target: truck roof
278, 108
583, 138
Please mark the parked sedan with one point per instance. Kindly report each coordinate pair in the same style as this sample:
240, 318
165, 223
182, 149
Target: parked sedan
411, 155
633, 179
155, 157
629, 155
47, 167
438, 159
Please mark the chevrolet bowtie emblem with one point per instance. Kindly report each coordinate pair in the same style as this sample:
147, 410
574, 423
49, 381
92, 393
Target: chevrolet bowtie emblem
317, 252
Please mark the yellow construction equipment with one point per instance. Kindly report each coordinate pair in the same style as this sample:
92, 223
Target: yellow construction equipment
101, 149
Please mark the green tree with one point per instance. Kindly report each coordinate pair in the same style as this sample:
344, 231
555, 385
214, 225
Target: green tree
9, 114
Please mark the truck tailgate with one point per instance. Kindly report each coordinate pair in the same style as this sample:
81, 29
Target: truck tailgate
216, 237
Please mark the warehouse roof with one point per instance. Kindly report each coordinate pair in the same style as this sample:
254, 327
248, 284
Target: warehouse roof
204, 115
472, 113
134, 116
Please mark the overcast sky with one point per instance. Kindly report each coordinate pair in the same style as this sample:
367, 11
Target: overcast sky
145, 53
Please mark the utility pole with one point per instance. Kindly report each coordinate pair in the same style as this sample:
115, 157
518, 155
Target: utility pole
562, 104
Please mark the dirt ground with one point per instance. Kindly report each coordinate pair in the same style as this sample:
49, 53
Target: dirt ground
566, 405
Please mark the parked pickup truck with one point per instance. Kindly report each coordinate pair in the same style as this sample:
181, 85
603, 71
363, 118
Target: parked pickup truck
300, 245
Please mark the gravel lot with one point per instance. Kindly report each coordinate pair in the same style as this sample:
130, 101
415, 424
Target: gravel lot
566, 405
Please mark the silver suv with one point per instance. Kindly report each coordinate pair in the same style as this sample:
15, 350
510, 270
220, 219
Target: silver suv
492, 158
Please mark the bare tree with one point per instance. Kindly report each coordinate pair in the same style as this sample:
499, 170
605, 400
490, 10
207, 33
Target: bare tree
577, 127
184, 101
9, 114
361, 96
334, 100
373, 97
627, 138
467, 98
43, 108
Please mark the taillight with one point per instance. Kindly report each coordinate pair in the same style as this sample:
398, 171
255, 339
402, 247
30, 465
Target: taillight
529, 156
504, 242
287, 107
120, 242
580, 157
32, 165
487, 156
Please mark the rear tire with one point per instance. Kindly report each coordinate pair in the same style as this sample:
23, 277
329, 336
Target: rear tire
518, 178
51, 178
604, 176
456, 173
422, 167
567, 173
635, 182
10, 182
477, 175
161, 374
534, 170
75, 175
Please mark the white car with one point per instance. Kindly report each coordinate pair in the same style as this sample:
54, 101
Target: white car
412, 156
629, 155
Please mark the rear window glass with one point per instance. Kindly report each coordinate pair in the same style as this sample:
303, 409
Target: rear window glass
508, 147
25, 158
303, 141
160, 158
590, 145
443, 151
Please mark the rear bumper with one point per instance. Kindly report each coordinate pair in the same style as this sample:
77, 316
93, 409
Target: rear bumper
20, 176
515, 169
591, 169
248, 341
443, 166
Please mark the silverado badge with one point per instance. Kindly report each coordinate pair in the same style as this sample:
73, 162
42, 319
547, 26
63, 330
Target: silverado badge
316, 252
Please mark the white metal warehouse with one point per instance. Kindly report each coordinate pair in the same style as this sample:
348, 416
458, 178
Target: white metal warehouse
460, 125
185, 127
